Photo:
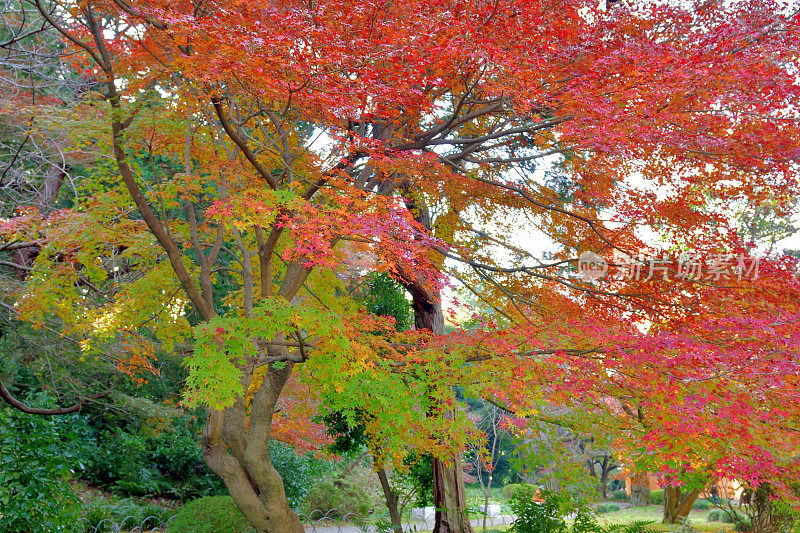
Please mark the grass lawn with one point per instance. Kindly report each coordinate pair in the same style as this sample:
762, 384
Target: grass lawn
698, 518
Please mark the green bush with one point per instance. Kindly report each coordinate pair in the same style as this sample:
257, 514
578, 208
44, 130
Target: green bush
657, 497
299, 472
719, 515
338, 499
212, 514
637, 526
620, 495
607, 508
34, 494
702, 505
533, 517
510, 490
97, 517
153, 515
105, 515
165, 462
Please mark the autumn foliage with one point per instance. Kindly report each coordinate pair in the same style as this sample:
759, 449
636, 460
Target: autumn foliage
267, 153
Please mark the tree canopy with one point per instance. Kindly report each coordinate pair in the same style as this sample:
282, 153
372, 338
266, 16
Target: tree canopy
233, 167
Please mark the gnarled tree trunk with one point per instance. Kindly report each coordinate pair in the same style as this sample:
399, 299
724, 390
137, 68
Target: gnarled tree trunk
678, 503
238, 453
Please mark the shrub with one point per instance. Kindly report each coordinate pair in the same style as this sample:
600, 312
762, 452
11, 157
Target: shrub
34, 494
657, 497
212, 514
299, 472
338, 499
720, 515
607, 508
535, 517
153, 515
620, 495
110, 514
98, 517
585, 521
166, 462
701, 505
510, 490
637, 526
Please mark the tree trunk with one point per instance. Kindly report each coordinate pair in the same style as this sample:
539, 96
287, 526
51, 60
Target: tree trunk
486, 490
449, 497
236, 449
606, 467
678, 504
763, 521
392, 499
640, 489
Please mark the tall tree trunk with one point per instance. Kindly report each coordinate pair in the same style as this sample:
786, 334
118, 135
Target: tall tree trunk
606, 467
678, 503
392, 500
449, 496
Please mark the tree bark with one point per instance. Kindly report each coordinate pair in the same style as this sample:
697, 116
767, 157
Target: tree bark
449, 496
678, 504
392, 500
238, 453
762, 515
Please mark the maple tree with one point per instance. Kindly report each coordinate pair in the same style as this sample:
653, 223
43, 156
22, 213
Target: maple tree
438, 119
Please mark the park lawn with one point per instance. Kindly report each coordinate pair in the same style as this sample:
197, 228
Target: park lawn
698, 518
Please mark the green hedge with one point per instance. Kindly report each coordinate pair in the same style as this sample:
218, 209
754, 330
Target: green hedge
510, 490
657, 497
607, 508
338, 498
213, 514
718, 515
620, 496
702, 505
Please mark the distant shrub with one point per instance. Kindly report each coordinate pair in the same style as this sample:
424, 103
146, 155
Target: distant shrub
510, 490
719, 515
657, 497
620, 495
106, 515
338, 499
701, 505
213, 514
607, 508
